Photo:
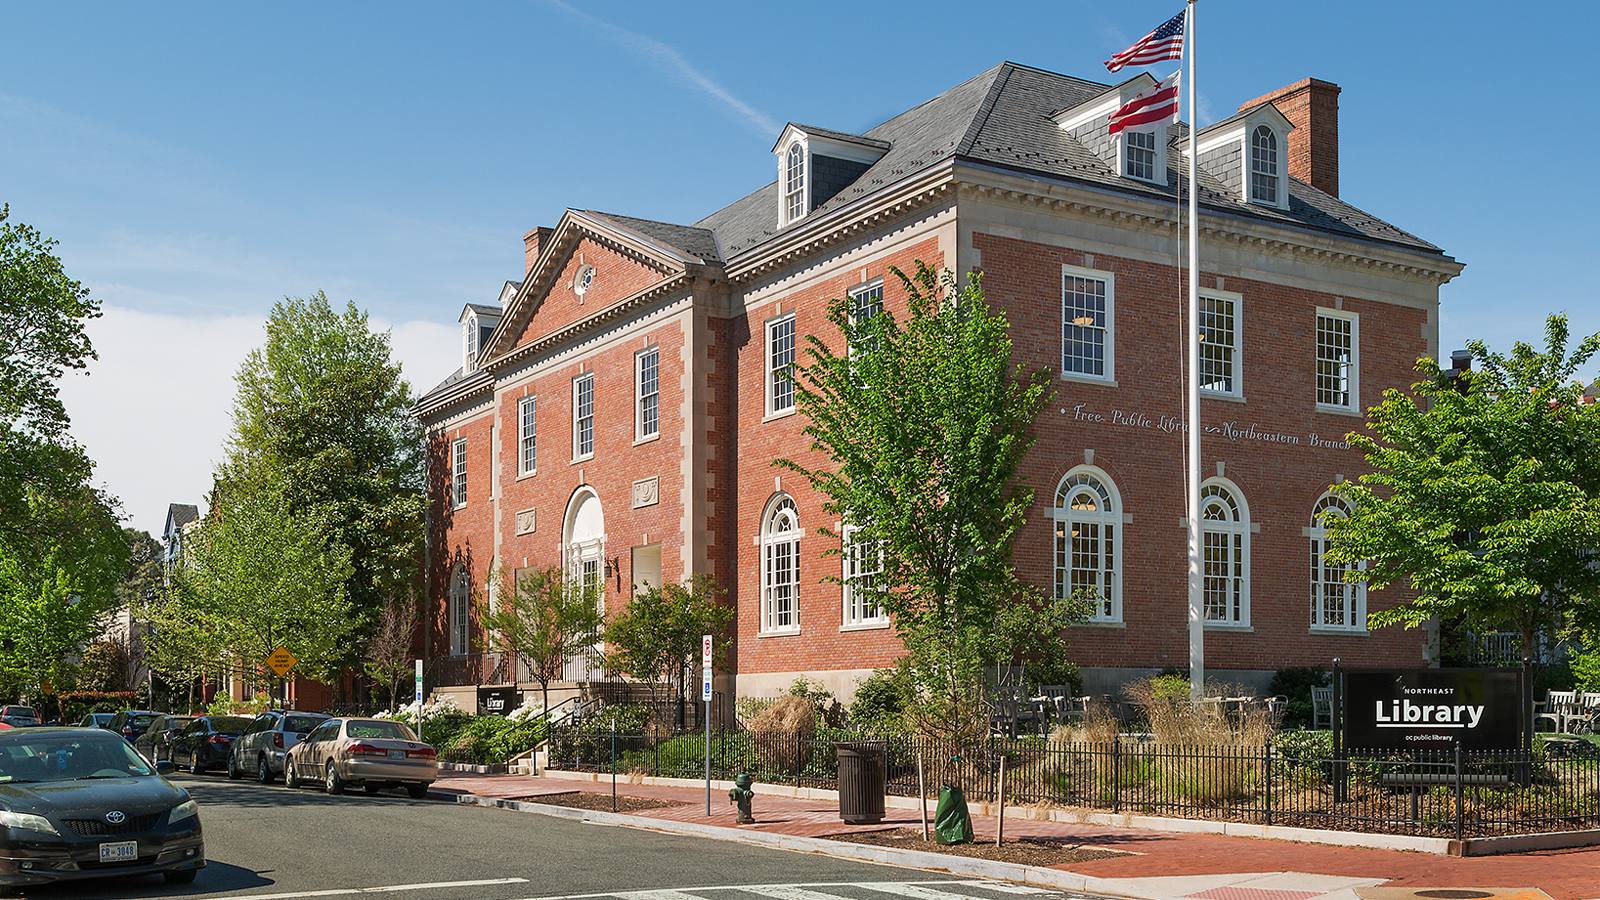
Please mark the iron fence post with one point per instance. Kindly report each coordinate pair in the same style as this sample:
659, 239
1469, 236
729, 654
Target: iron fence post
1458, 790
1116, 775
1269, 781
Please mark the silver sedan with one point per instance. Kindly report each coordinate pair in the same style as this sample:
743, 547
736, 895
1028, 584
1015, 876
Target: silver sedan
372, 753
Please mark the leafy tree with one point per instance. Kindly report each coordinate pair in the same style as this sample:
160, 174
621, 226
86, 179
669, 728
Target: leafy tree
1485, 494
388, 659
144, 574
324, 410
657, 635
924, 425
184, 643
544, 617
43, 313
262, 576
104, 668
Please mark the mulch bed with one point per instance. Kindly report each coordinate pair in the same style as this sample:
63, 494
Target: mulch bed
601, 802
1027, 852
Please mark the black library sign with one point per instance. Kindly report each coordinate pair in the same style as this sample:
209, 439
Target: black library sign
498, 701
1433, 709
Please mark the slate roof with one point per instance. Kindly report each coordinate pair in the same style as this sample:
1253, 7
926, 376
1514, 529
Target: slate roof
455, 378
181, 514
843, 137
485, 309
699, 243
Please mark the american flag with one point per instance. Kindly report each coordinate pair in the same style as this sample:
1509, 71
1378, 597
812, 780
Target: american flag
1165, 42
1150, 109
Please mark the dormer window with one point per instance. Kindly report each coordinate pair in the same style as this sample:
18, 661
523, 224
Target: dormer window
1139, 151
794, 182
1264, 166
477, 324
1129, 151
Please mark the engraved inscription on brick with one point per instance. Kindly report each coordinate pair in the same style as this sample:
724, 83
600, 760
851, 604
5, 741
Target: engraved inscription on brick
645, 492
525, 521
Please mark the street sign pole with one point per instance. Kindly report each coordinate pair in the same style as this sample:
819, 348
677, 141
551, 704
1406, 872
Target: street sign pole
705, 695
419, 699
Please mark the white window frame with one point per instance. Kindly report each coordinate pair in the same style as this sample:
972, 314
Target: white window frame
1327, 579
528, 435
780, 387
458, 473
460, 598
1158, 155
863, 564
582, 418
794, 174
1352, 368
647, 394
1108, 331
1103, 543
1275, 176
1226, 577
780, 566
1230, 354
867, 297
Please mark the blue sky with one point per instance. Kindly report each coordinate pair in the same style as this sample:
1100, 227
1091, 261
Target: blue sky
199, 162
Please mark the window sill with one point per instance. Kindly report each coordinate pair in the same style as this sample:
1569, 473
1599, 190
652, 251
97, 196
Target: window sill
1103, 623
1087, 379
647, 440
1341, 411
1337, 631
1225, 626
458, 506
865, 626
771, 417
779, 632
522, 475
1215, 395
581, 459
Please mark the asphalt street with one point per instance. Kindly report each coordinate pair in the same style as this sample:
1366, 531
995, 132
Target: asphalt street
271, 842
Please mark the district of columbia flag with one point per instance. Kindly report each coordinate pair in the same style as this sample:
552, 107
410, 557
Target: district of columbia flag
1151, 109
1165, 42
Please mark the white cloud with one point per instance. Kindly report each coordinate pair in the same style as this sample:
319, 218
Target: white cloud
155, 410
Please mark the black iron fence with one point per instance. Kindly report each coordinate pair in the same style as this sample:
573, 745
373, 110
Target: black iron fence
1426, 793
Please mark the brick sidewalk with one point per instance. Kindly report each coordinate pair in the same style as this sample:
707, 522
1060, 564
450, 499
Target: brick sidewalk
1563, 874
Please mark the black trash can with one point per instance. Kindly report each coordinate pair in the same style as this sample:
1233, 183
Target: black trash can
861, 781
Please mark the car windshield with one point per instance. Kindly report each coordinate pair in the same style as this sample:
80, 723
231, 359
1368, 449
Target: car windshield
393, 731
230, 724
67, 758
301, 724
25, 711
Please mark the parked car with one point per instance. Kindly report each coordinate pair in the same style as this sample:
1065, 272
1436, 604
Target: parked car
19, 716
79, 803
207, 741
372, 753
156, 742
261, 750
130, 723
96, 720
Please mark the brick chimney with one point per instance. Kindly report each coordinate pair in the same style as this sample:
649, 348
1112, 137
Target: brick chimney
1312, 106
533, 242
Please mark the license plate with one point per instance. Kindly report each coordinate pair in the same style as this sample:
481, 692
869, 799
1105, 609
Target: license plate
397, 754
120, 851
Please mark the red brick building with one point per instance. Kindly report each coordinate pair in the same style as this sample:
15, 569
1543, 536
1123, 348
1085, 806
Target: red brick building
618, 411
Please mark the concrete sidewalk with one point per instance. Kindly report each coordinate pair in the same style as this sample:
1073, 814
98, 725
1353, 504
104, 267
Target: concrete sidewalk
1163, 864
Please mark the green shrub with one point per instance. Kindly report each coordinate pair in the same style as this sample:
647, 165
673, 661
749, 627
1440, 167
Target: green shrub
882, 698
1295, 683
77, 704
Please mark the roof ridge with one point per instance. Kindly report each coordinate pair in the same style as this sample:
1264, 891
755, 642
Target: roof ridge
975, 127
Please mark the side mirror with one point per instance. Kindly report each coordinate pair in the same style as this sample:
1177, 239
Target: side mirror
165, 767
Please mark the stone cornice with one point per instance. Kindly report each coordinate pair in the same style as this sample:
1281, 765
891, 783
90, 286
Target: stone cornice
479, 382
1265, 237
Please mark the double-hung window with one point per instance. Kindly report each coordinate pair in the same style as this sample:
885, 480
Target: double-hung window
865, 305
583, 416
1088, 313
794, 182
647, 380
458, 481
1336, 605
863, 565
1086, 525
527, 435
1225, 547
1219, 343
1264, 165
1337, 361
1139, 152
460, 603
780, 365
780, 567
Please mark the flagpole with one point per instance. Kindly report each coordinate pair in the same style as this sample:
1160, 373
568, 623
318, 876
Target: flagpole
1197, 650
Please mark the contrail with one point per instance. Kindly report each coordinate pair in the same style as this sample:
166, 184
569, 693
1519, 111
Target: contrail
674, 61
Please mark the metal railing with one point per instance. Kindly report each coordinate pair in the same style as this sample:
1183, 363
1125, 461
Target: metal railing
1426, 793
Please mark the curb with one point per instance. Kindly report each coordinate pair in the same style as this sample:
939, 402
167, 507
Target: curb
1059, 879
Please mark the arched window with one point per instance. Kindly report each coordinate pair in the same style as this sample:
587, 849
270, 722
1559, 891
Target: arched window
794, 182
1087, 519
1264, 165
780, 566
584, 538
1225, 550
1336, 605
460, 603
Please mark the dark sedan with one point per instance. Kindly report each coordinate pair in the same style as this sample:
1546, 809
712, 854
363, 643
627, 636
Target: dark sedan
130, 723
80, 803
156, 742
206, 742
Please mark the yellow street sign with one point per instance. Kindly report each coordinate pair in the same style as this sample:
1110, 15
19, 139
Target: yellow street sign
281, 661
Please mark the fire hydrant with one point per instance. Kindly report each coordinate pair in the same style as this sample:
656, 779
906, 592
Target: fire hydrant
741, 794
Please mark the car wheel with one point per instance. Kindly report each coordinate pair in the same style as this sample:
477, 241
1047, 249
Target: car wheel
263, 770
417, 791
290, 779
331, 782
182, 876
233, 767
371, 788
195, 766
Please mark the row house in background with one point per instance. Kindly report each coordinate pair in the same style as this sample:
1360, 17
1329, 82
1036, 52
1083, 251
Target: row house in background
618, 411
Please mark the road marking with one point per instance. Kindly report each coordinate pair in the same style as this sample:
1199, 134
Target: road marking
1007, 887
388, 889
801, 892
789, 892
918, 892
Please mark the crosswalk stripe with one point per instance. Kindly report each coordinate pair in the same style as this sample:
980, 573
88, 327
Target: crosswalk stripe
789, 892
386, 889
918, 892
1007, 887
